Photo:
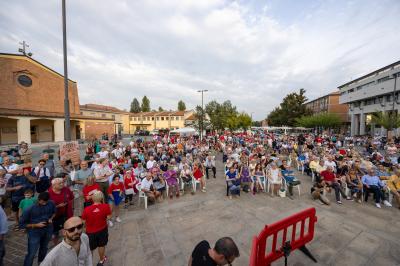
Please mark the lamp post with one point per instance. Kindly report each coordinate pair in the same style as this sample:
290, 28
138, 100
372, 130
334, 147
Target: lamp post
202, 113
394, 100
67, 132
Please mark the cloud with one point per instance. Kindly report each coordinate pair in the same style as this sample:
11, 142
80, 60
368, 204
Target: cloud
250, 52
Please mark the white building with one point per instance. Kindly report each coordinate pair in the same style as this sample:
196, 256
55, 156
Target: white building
374, 92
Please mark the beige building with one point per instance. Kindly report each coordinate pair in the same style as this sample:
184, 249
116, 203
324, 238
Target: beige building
159, 120
120, 117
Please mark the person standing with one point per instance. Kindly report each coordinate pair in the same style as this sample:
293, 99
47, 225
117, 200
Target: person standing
224, 252
17, 185
63, 198
38, 220
102, 172
3, 232
43, 176
49, 164
95, 217
74, 249
25, 152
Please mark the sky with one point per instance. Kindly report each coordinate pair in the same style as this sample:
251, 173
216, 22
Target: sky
250, 52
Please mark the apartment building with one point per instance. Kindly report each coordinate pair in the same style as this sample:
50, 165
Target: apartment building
374, 92
329, 104
159, 120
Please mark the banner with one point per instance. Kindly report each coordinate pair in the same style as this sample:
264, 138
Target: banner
70, 151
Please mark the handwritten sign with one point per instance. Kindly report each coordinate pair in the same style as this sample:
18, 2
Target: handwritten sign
70, 151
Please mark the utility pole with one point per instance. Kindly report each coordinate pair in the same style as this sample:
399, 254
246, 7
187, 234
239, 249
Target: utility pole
202, 113
67, 132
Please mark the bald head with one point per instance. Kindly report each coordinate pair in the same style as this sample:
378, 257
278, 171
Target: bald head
71, 222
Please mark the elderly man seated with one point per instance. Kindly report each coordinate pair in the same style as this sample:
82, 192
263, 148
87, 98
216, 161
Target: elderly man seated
329, 178
373, 184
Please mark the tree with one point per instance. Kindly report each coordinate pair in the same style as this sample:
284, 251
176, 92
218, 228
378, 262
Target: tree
200, 119
324, 120
135, 106
145, 104
160, 109
387, 120
244, 121
181, 106
292, 107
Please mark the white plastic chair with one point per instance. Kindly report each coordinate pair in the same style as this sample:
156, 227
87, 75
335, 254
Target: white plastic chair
194, 183
142, 195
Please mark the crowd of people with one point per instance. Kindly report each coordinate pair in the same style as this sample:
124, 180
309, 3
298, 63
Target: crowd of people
55, 203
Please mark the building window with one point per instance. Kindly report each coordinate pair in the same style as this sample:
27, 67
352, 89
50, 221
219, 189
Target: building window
389, 98
152, 119
158, 118
167, 118
24, 80
162, 118
103, 115
172, 118
383, 79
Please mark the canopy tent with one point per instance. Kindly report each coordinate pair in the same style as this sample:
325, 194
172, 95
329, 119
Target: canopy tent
185, 131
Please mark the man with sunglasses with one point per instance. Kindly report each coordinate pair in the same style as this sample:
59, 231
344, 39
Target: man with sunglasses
74, 250
224, 252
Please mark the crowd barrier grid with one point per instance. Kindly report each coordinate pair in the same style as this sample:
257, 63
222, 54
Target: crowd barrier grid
297, 238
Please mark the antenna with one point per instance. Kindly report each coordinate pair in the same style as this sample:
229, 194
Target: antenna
23, 49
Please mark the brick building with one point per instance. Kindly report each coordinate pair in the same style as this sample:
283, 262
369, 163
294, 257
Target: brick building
32, 104
329, 104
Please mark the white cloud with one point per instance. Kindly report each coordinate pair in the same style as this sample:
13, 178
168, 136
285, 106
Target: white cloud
249, 52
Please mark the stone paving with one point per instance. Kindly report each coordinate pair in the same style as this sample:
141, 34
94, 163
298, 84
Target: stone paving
165, 233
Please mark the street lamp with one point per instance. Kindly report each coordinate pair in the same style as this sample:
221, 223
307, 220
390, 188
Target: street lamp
67, 134
394, 98
202, 113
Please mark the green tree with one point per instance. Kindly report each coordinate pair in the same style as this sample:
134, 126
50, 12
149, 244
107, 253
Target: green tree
292, 107
145, 107
244, 120
387, 120
181, 106
160, 109
324, 120
135, 106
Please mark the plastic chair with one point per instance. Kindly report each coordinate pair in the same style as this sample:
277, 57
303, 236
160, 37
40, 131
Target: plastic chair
142, 195
194, 183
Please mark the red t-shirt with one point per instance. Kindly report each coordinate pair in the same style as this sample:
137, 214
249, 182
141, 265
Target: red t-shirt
65, 196
197, 173
87, 191
96, 217
114, 187
328, 176
128, 180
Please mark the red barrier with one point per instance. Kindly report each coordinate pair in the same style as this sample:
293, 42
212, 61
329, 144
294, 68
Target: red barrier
261, 257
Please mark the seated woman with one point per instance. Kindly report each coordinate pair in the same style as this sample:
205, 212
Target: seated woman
275, 177
246, 182
186, 175
258, 175
198, 174
394, 185
171, 178
232, 182
354, 183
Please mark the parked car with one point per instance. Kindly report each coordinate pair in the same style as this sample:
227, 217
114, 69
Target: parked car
141, 132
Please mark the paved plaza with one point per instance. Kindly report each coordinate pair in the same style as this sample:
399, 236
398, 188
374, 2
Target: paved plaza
165, 233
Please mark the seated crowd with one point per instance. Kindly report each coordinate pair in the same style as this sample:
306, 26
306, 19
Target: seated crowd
43, 197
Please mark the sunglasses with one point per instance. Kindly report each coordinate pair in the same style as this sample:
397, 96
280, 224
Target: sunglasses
72, 229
